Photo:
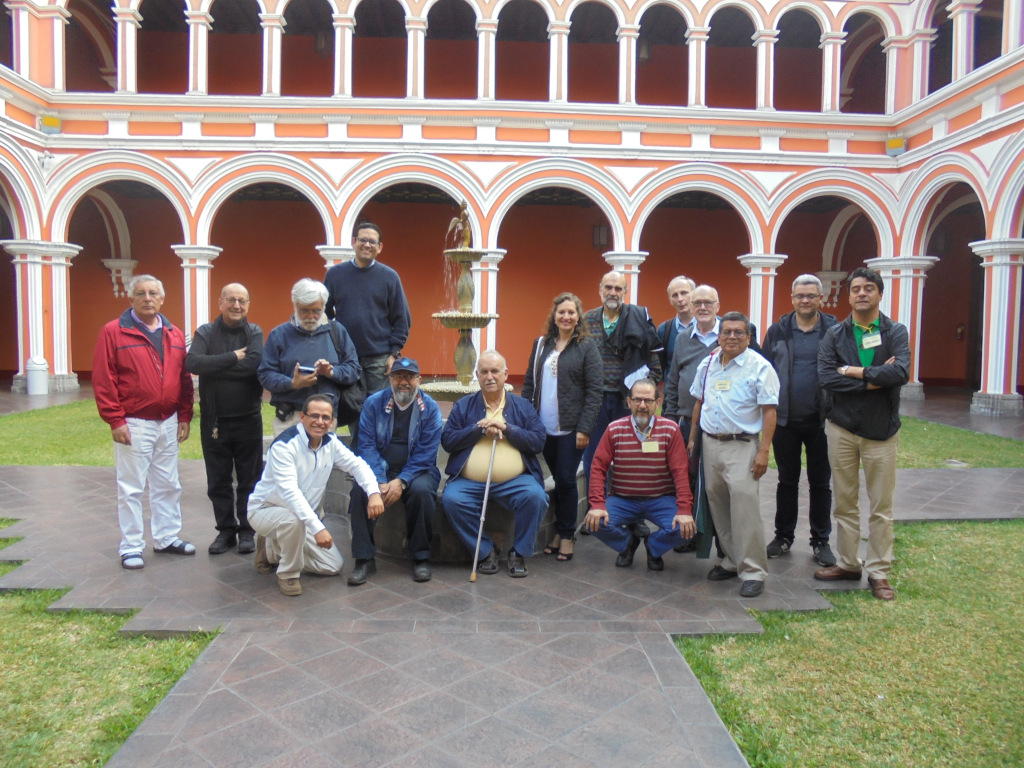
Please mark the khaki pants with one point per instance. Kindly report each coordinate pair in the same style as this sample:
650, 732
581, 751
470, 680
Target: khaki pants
846, 453
736, 506
291, 545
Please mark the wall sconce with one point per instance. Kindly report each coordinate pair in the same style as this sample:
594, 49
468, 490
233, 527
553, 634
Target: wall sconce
600, 234
643, 50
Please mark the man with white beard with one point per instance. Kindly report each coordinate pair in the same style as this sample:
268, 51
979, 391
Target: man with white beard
399, 434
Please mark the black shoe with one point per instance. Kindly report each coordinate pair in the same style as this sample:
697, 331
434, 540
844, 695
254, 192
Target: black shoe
779, 546
363, 570
246, 545
688, 545
489, 564
752, 588
225, 540
625, 558
516, 565
823, 555
653, 563
639, 529
421, 571
718, 573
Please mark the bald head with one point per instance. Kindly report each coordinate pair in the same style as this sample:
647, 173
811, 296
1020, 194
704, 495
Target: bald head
234, 303
613, 292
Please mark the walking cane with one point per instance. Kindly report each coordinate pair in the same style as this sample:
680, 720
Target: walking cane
483, 511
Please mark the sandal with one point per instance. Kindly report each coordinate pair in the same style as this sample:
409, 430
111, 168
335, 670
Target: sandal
565, 557
552, 548
177, 547
132, 561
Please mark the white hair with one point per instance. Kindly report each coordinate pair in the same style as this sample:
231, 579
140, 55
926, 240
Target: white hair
308, 291
808, 280
145, 279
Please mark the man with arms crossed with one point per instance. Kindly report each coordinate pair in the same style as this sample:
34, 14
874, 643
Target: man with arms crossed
862, 363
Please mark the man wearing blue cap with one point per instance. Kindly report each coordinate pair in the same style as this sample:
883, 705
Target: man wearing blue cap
399, 434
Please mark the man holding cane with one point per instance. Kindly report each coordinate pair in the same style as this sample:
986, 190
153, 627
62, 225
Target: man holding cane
494, 418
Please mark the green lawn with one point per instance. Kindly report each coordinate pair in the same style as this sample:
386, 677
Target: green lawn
933, 679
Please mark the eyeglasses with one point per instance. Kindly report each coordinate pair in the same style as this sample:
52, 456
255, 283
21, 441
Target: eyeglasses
310, 312
368, 241
644, 400
806, 296
147, 294
326, 418
703, 303
241, 302
732, 334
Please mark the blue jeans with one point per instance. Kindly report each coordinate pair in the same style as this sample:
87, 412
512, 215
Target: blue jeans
563, 457
613, 406
622, 511
523, 495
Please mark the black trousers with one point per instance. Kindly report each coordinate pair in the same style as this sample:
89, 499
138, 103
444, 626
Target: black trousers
420, 500
788, 443
236, 453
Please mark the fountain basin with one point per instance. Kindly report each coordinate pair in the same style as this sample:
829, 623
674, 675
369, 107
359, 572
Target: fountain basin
458, 320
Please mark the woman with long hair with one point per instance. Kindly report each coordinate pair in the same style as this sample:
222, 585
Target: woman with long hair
563, 381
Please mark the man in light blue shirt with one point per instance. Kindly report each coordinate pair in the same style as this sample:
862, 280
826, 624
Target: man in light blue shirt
736, 392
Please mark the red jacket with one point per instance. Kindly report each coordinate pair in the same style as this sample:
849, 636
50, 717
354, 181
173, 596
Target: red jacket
128, 378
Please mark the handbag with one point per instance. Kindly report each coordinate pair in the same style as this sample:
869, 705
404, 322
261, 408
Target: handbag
351, 396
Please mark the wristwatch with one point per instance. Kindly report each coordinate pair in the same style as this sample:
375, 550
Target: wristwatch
405, 485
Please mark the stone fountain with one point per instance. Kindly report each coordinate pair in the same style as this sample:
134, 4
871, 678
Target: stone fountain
463, 319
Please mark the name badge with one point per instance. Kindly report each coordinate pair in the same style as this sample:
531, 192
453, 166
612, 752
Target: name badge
650, 446
871, 340
723, 385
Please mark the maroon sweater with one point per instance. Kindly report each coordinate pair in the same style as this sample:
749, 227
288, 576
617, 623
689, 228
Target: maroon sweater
639, 474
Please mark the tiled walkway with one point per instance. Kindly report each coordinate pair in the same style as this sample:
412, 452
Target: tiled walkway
572, 666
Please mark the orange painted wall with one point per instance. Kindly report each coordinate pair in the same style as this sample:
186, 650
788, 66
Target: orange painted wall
236, 64
663, 79
450, 69
162, 65
378, 67
521, 71
303, 72
798, 79
731, 77
594, 72
82, 64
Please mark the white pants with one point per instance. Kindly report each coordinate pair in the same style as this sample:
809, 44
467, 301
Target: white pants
153, 455
290, 544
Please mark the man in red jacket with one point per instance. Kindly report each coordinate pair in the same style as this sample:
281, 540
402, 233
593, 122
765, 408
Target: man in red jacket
144, 393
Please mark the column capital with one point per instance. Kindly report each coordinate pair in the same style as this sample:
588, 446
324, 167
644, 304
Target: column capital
415, 23
765, 36
697, 33
963, 6
627, 30
199, 17
831, 38
993, 252
623, 259
491, 258
902, 265
128, 15
335, 254
39, 251
343, 20
762, 263
486, 25
558, 28
200, 255
270, 20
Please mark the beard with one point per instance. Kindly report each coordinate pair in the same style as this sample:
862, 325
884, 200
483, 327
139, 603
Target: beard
643, 420
403, 397
613, 302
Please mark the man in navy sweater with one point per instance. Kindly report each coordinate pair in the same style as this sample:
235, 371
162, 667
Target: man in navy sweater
367, 298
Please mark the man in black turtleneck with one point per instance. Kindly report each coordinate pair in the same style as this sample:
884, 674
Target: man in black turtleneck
225, 354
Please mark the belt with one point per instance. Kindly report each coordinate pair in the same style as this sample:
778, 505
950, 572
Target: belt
743, 437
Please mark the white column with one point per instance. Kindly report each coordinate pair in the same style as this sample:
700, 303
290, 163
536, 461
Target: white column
627, 36
1003, 262
486, 57
764, 41
697, 50
963, 13
128, 22
1013, 27
43, 300
628, 263
485, 297
273, 29
415, 56
196, 262
199, 23
831, 70
902, 302
761, 271
335, 254
344, 27
921, 45
558, 69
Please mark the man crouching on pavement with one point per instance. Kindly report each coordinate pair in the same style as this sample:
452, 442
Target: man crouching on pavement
283, 509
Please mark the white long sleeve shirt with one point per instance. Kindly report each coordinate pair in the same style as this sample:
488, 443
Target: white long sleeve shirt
296, 475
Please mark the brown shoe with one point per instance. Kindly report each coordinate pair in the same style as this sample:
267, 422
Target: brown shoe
263, 564
290, 587
836, 573
881, 589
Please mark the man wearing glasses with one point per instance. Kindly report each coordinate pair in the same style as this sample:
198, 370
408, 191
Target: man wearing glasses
285, 507
736, 392
650, 481
307, 355
791, 346
225, 355
692, 345
367, 297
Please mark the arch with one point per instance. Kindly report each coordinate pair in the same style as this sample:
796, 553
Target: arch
662, 61
926, 182
835, 239
683, 9
799, 60
78, 177
884, 16
450, 46
334, 4
731, 67
939, 58
379, 49
826, 21
593, 52
356, 4
1007, 183
20, 179
429, 6
757, 18
115, 223
89, 57
620, 17
522, 50
546, 7
876, 201
235, 174
863, 56
733, 187
307, 48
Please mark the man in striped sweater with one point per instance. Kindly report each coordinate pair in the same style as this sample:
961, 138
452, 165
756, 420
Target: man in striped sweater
650, 480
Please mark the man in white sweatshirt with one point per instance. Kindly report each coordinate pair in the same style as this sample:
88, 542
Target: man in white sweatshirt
284, 508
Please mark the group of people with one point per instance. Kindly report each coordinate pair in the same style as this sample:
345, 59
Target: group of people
591, 393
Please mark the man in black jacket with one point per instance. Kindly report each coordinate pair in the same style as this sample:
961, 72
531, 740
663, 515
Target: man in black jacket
791, 346
225, 354
862, 363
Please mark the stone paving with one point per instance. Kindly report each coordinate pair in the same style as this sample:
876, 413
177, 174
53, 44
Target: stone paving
572, 666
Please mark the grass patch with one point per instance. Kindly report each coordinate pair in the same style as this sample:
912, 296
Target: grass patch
81, 438
935, 678
73, 688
